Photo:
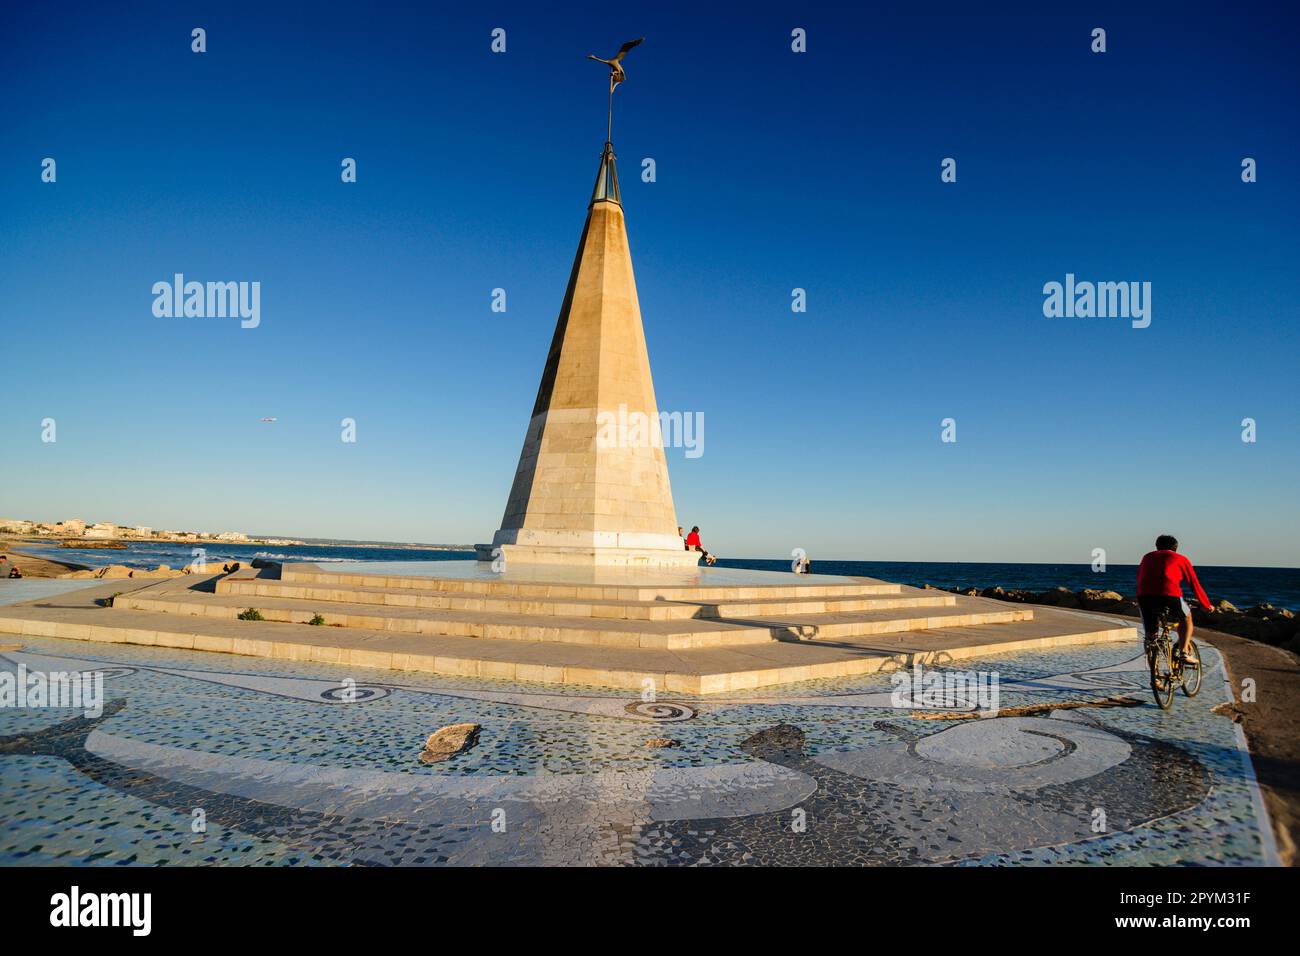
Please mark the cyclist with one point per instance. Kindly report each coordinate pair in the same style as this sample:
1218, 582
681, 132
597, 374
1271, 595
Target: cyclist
1160, 585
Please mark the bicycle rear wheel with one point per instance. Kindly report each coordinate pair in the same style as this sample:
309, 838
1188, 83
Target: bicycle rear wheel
1162, 675
1192, 670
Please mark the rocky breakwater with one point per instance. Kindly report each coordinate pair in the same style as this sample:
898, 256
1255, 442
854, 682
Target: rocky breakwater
162, 571
1277, 626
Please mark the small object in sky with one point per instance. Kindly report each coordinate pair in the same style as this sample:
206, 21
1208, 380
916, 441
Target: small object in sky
268, 420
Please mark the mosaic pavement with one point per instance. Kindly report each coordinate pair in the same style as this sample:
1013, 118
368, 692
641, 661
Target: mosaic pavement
281, 767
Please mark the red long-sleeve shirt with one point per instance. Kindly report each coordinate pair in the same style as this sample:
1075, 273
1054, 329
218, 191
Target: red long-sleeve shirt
1163, 573
693, 540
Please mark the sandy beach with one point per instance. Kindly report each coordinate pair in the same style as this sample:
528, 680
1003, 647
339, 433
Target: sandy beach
30, 565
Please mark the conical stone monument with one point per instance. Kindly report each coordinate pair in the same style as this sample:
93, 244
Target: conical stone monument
590, 489
592, 484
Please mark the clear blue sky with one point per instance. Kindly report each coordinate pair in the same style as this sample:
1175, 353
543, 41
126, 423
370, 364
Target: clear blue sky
775, 170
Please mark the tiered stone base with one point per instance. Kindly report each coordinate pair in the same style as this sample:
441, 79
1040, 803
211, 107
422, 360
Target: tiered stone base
589, 557
696, 631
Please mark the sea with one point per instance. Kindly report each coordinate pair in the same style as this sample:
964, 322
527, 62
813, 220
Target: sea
1244, 587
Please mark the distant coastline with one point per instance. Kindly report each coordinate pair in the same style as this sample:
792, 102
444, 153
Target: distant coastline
412, 545
268, 541
57, 556
77, 533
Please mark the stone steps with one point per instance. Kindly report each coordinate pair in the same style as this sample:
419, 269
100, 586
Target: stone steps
660, 610
851, 627
77, 616
611, 587
660, 635
908, 598
180, 597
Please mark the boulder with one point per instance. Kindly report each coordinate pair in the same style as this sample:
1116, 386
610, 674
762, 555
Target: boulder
1060, 597
1271, 631
1089, 594
162, 571
1110, 601
1240, 625
114, 571
212, 567
663, 742
449, 741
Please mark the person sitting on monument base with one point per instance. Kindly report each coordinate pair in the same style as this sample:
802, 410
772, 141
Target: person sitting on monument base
693, 542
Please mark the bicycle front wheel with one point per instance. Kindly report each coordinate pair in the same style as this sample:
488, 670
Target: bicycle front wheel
1192, 670
1162, 676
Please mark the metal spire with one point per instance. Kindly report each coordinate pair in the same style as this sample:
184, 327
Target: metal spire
607, 178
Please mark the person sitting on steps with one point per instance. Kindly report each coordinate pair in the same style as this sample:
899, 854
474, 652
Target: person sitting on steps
693, 543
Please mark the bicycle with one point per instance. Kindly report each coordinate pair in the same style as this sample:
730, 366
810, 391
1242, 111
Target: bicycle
1169, 668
